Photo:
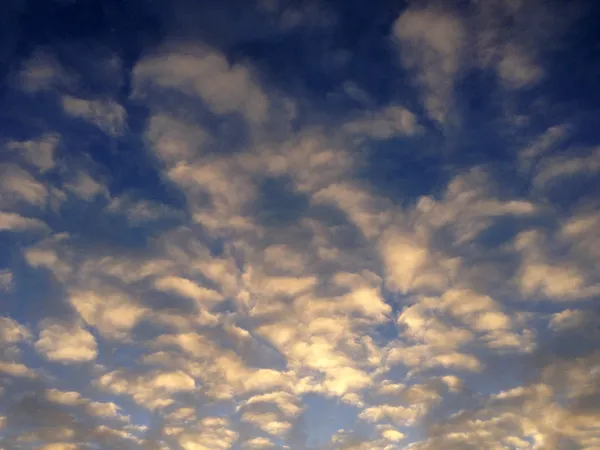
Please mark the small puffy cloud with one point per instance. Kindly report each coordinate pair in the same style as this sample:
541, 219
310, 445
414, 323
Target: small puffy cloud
211, 433
19, 186
187, 288
390, 122
153, 389
139, 211
268, 422
568, 319
516, 69
431, 43
258, 443
560, 279
103, 409
181, 415
555, 168
38, 152
42, 72
174, 141
6, 280
74, 399
66, 398
59, 446
390, 433
66, 343
514, 52
203, 72
553, 281
48, 259
16, 222
114, 314
12, 332
458, 361
539, 146
404, 259
107, 115
399, 415
17, 370
285, 402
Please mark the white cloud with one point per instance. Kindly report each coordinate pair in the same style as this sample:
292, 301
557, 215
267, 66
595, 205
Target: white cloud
187, 288
113, 313
16, 222
516, 69
140, 211
18, 186
555, 168
107, 115
175, 141
38, 152
211, 433
67, 398
59, 446
42, 72
17, 370
431, 44
66, 343
267, 421
12, 332
560, 278
391, 434
205, 73
391, 121
258, 443
153, 389
48, 259
542, 144
568, 319
6, 280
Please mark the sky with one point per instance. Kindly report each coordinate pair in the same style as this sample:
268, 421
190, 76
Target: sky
303, 225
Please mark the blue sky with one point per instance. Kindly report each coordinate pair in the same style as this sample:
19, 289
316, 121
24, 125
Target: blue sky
316, 225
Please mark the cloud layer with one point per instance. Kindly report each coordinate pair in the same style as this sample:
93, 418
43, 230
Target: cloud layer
248, 237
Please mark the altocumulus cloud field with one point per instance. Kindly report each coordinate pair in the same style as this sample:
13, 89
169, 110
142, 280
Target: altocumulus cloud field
315, 225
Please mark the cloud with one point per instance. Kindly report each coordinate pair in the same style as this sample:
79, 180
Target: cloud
59, 446
38, 152
391, 434
510, 39
74, 399
542, 271
42, 72
16, 370
16, 222
391, 121
258, 442
203, 72
113, 313
12, 332
431, 44
107, 115
261, 272
516, 70
19, 187
187, 288
175, 141
6, 280
212, 432
152, 390
66, 343
554, 169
